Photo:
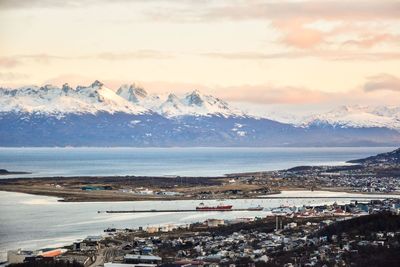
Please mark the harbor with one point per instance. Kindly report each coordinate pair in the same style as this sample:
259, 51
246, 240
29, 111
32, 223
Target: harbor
167, 211
200, 208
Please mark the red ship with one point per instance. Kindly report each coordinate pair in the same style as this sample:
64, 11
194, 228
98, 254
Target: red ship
220, 207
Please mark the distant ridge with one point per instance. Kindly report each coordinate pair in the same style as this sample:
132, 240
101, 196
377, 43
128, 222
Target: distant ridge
95, 115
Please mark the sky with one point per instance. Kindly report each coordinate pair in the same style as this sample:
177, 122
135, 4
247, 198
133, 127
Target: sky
262, 55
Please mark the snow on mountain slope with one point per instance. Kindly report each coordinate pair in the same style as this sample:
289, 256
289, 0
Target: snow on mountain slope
207, 104
357, 117
132, 93
139, 96
193, 103
285, 117
51, 99
96, 97
388, 111
132, 99
197, 104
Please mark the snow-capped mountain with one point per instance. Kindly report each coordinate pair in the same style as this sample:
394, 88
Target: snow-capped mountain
95, 115
54, 100
171, 105
357, 117
97, 97
196, 104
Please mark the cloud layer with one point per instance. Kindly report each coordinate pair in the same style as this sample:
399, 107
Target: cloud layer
382, 82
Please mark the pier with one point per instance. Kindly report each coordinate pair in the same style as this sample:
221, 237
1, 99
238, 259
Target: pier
173, 210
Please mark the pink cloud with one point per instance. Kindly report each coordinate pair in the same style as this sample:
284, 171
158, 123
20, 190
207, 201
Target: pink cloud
297, 35
278, 10
382, 82
139, 54
270, 94
324, 54
372, 39
291, 19
289, 95
9, 62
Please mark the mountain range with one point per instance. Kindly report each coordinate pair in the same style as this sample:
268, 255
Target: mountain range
95, 115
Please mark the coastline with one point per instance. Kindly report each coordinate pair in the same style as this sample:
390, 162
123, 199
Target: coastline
71, 191
103, 220
87, 221
369, 177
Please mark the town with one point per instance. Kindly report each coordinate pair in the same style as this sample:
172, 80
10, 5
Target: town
358, 232
376, 174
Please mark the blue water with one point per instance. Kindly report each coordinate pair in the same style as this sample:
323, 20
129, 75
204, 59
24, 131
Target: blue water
170, 161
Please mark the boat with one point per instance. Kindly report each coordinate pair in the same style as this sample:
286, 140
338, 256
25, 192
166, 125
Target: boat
220, 207
255, 208
282, 210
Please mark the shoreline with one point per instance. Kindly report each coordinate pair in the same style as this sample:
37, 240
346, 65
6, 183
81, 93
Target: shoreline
369, 177
109, 235
159, 224
79, 196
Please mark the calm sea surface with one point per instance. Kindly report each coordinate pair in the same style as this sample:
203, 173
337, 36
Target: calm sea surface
169, 161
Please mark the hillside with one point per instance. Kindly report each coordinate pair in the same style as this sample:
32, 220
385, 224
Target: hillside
363, 225
392, 157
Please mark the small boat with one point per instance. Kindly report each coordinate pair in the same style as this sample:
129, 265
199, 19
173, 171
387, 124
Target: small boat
282, 210
255, 208
220, 207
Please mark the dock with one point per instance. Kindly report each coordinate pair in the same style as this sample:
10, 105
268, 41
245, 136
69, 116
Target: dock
173, 210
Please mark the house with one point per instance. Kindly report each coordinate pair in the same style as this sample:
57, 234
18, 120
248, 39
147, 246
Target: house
19, 256
140, 260
112, 264
152, 229
93, 238
214, 222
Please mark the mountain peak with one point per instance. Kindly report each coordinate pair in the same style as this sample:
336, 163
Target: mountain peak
55, 100
128, 98
65, 88
49, 87
194, 98
132, 92
172, 97
139, 91
357, 116
96, 83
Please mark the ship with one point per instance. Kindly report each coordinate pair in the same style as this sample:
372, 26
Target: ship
282, 210
255, 208
220, 207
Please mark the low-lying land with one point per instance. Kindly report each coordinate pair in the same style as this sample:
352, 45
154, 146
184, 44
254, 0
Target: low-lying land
131, 188
7, 172
379, 174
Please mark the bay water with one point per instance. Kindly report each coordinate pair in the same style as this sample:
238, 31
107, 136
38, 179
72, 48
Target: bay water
32, 222
170, 161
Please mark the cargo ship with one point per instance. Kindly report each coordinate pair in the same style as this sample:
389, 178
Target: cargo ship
220, 207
